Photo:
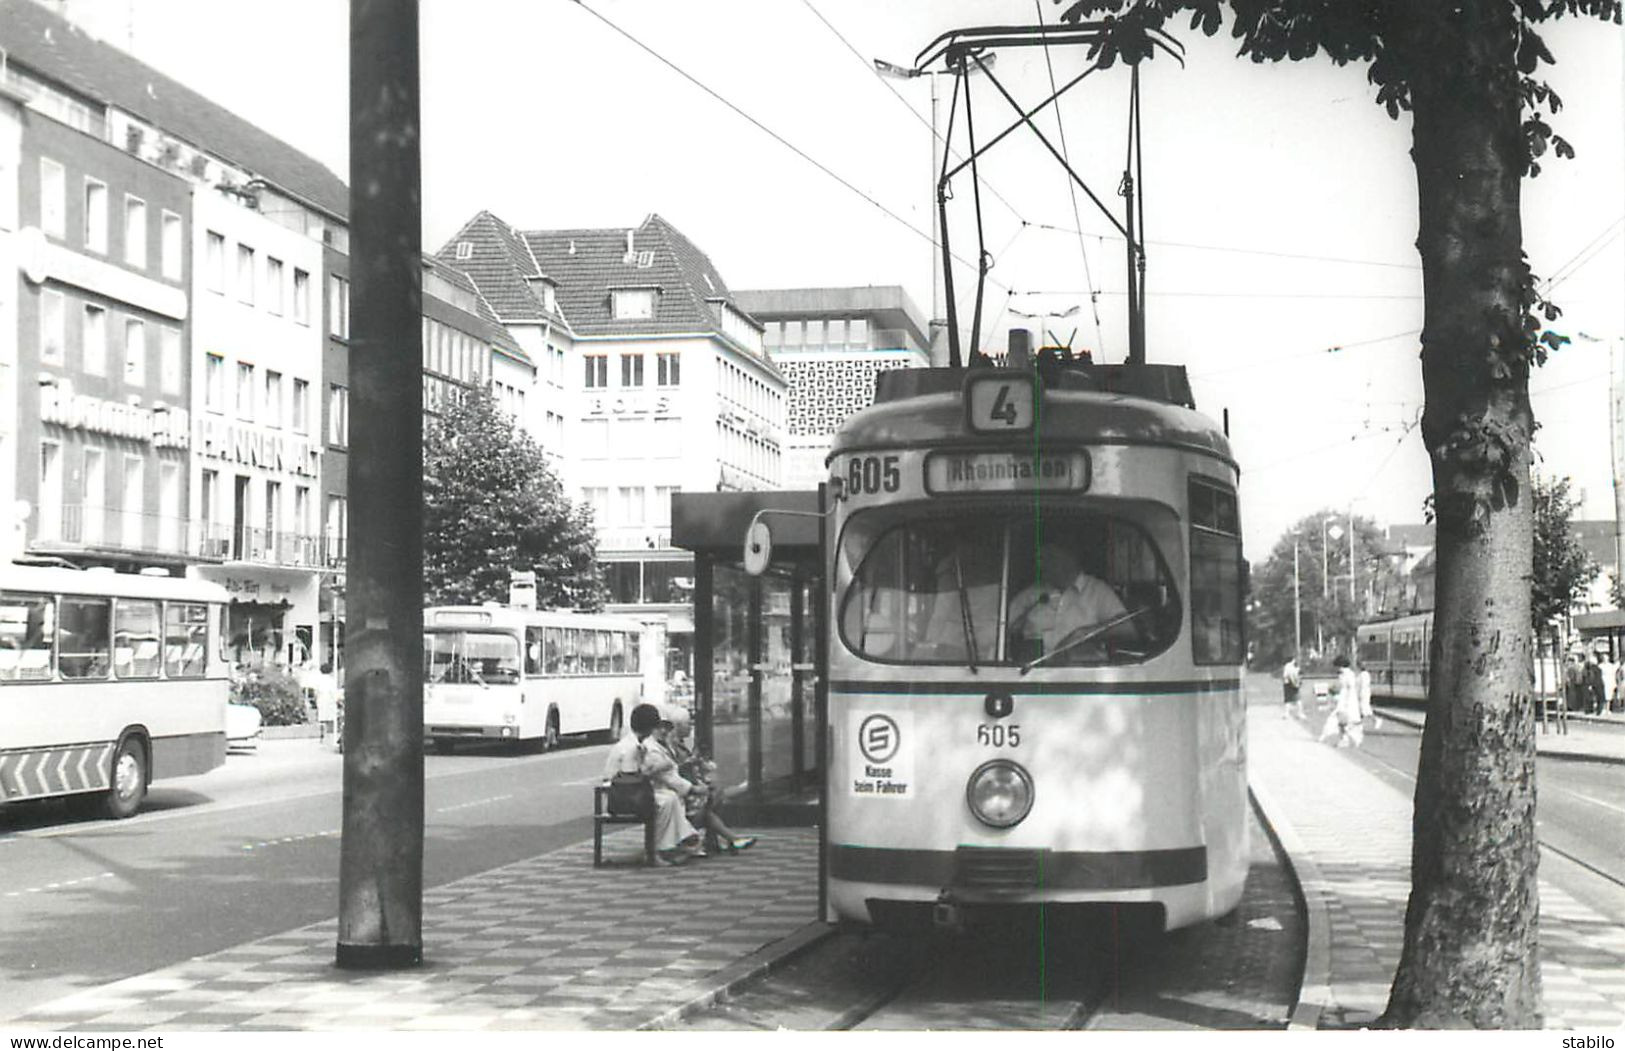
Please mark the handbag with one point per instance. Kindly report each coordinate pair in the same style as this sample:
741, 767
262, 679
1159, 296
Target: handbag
631, 795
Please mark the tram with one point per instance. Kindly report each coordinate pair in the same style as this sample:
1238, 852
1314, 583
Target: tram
1034, 695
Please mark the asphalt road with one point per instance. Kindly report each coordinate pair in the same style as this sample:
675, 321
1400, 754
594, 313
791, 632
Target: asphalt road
244, 851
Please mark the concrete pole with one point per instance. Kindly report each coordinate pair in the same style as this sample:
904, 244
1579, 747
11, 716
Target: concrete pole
1297, 609
1616, 442
381, 854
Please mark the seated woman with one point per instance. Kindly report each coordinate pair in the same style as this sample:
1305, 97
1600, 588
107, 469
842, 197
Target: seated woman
635, 757
701, 774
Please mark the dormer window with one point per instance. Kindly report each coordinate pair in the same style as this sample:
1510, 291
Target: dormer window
646, 259
631, 304
550, 299
465, 250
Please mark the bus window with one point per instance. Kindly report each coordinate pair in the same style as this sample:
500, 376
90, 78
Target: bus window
572, 651
186, 639
553, 663
634, 655
617, 651
135, 639
479, 657
27, 632
533, 650
601, 652
83, 648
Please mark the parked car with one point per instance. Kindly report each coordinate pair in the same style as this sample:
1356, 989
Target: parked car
243, 725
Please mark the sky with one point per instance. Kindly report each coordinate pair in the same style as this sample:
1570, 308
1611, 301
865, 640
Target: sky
1280, 201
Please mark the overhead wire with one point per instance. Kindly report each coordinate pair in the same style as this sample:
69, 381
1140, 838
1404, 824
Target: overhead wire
781, 140
1072, 192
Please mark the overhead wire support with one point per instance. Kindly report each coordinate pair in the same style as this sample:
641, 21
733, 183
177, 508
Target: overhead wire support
976, 195
954, 359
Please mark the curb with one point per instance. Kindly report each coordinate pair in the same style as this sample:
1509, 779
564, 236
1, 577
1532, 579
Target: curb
708, 990
1314, 989
1417, 722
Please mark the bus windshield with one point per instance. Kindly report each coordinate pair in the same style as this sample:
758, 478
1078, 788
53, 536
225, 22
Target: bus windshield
477, 657
1070, 588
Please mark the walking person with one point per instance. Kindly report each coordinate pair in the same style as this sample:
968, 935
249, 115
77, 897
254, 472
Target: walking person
1574, 684
1345, 718
1618, 703
1363, 683
1596, 693
1291, 681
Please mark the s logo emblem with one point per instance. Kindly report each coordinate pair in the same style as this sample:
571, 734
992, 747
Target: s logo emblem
878, 738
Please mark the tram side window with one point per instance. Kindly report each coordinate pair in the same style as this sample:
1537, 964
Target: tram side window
533, 651
1374, 649
27, 633
1407, 646
84, 642
186, 639
1216, 599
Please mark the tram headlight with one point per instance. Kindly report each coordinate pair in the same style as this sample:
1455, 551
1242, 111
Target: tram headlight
1000, 793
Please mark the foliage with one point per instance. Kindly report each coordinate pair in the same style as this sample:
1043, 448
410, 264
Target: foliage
492, 503
1563, 570
274, 691
1616, 589
1324, 603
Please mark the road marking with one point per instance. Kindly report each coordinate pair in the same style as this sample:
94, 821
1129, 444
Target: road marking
59, 885
290, 839
474, 803
1589, 799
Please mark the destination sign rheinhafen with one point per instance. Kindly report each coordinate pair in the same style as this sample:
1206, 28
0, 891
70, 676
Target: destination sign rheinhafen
973, 472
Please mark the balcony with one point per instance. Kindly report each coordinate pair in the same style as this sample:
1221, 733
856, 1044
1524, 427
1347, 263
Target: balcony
83, 530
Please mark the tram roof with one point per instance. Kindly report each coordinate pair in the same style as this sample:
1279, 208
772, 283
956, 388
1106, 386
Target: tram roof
1119, 404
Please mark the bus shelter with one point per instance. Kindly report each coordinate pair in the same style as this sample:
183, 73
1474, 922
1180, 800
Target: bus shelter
759, 674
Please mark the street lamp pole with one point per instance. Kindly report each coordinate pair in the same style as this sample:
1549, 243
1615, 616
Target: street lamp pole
1297, 608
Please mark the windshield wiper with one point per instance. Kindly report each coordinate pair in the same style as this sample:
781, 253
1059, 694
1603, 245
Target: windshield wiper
1083, 635
965, 620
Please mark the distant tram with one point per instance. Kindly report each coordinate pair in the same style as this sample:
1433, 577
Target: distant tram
1035, 695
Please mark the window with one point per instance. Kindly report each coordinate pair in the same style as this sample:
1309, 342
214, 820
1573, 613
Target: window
208, 502
629, 505
597, 499
533, 650
245, 391
169, 506
84, 637
95, 215
553, 652
668, 581
53, 198
631, 370
95, 340
621, 579
465, 250
133, 509
273, 398
301, 510
135, 639
1216, 599
629, 438
50, 490
338, 307
981, 589
668, 370
597, 370
660, 510
667, 438
52, 326
273, 284
135, 351
301, 406
169, 249
631, 304
214, 382
245, 274
338, 525
93, 496
301, 296
857, 333
214, 261
169, 359
186, 638
273, 510
338, 415
594, 439
27, 635
135, 232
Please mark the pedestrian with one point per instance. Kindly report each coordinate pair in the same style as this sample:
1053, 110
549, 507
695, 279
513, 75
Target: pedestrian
1291, 680
1344, 719
638, 787
1618, 704
705, 802
1596, 693
320, 687
1363, 683
1574, 683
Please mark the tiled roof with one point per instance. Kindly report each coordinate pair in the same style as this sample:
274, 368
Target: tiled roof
498, 264
487, 325
57, 50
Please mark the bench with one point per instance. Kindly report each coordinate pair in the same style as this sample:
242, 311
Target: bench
601, 817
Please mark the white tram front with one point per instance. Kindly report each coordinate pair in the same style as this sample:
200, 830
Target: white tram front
1035, 649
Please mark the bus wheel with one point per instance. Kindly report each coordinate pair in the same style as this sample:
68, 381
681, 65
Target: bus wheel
615, 723
129, 785
551, 740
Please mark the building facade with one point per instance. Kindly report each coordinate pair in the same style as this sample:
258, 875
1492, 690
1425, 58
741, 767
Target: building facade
830, 344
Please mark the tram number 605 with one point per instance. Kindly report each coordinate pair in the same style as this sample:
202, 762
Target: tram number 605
873, 474
999, 735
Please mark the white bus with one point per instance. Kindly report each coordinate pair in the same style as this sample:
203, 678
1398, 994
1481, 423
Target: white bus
507, 674
107, 682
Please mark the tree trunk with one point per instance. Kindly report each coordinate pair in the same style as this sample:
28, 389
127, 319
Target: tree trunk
1471, 926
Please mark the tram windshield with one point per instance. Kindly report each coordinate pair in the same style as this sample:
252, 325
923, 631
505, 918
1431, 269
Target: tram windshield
1070, 588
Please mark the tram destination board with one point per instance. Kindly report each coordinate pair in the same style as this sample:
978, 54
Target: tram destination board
949, 473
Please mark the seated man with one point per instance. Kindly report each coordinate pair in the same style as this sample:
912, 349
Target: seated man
1062, 600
